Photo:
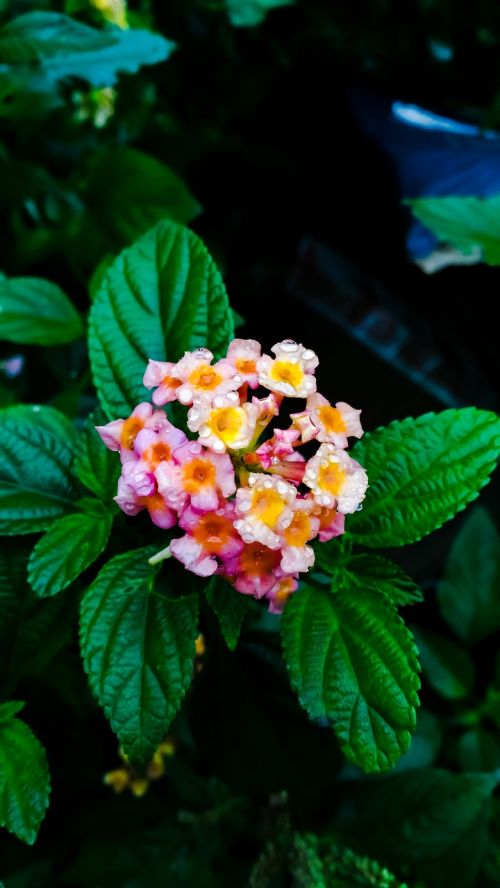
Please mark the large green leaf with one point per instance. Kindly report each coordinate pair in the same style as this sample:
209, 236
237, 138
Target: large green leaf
447, 668
35, 312
138, 648
70, 546
353, 661
24, 777
424, 818
230, 607
96, 466
370, 571
31, 631
162, 296
466, 222
422, 472
40, 50
127, 192
469, 593
36, 483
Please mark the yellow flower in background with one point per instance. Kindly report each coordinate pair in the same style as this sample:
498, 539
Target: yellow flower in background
127, 778
114, 11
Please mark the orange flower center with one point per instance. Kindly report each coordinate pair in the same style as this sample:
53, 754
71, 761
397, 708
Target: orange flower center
130, 430
285, 589
326, 518
197, 474
155, 501
299, 531
246, 366
213, 532
157, 453
258, 560
205, 377
171, 382
331, 419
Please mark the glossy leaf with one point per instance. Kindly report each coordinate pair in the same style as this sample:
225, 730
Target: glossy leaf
353, 661
36, 482
38, 50
138, 647
24, 777
68, 548
97, 467
161, 297
422, 472
35, 312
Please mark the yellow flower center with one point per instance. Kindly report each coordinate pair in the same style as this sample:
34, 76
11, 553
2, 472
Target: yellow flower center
197, 474
226, 423
267, 505
205, 378
287, 371
299, 531
331, 419
331, 478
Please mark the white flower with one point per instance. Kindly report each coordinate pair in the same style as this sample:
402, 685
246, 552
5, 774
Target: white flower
291, 372
336, 480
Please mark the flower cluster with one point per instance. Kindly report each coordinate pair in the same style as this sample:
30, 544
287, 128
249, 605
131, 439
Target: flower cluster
248, 500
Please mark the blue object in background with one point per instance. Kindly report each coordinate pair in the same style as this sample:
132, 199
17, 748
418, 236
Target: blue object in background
433, 156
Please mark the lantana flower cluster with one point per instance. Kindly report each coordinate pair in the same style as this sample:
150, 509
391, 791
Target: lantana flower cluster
245, 496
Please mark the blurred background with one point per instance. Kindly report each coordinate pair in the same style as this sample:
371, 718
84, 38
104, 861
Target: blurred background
342, 163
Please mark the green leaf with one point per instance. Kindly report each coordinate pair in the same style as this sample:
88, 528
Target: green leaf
68, 548
161, 297
36, 483
138, 648
422, 472
469, 593
478, 750
379, 574
35, 312
24, 778
31, 631
447, 668
248, 13
353, 661
230, 607
10, 709
97, 467
40, 50
127, 192
468, 223
419, 816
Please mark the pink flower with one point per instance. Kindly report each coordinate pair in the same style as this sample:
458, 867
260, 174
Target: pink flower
243, 354
160, 375
264, 509
336, 480
291, 372
199, 476
156, 447
333, 424
122, 433
278, 596
254, 570
280, 446
209, 536
224, 424
331, 524
193, 377
137, 490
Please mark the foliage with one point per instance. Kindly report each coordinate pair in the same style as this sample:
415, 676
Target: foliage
346, 742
